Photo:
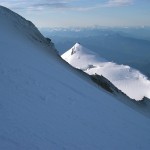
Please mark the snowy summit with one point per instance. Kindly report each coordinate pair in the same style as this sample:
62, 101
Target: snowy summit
130, 81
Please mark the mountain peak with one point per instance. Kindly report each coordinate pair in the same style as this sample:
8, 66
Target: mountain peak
77, 44
125, 78
75, 48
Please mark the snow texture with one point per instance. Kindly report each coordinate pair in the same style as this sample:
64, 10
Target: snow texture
128, 80
46, 106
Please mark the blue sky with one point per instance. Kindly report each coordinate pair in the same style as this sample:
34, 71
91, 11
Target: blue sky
67, 13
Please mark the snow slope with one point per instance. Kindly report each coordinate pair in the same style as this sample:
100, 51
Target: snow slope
44, 105
128, 80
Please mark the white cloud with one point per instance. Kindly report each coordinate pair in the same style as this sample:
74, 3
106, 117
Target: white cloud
36, 5
115, 3
108, 3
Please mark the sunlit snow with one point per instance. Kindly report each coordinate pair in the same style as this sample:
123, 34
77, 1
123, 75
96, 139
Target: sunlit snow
128, 80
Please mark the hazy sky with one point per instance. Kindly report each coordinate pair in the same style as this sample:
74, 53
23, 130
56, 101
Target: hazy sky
65, 13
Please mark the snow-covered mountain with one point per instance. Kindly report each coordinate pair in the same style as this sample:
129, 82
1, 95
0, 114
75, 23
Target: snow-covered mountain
128, 80
47, 105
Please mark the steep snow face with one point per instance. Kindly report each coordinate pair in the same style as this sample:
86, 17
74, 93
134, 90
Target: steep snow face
128, 80
46, 106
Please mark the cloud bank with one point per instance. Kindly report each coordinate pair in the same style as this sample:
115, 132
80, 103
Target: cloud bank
35, 5
113, 3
